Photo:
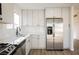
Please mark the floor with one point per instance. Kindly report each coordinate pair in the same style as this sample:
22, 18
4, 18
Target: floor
65, 52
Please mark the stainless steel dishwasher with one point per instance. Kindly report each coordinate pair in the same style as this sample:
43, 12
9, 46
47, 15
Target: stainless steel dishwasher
54, 34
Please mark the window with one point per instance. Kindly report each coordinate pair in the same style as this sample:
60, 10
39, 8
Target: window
16, 20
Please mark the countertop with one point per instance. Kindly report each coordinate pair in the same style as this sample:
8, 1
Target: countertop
14, 40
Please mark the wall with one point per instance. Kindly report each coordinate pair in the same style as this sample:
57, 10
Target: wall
76, 23
7, 30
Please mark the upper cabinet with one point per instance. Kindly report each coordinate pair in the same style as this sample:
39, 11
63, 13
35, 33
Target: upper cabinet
41, 20
33, 17
11, 13
24, 17
29, 17
53, 12
7, 12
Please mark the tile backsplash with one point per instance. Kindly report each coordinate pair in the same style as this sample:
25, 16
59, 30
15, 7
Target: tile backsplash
6, 33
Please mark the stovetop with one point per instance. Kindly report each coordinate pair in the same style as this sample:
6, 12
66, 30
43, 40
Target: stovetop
6, 48
3, 46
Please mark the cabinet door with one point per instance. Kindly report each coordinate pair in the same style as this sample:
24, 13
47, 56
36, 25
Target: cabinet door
35, 17
23, 48
29, 17
42, 42
8, 13
66, 20
18, 52
57, 12
41, 17
35, 42
53, 12
24, 17
27, 47
29, 43
49, 12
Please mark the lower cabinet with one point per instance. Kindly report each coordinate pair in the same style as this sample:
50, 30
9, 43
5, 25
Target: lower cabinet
32, 42
20, 50
24, 48
35, 41
28, 45
38, 42
42, 42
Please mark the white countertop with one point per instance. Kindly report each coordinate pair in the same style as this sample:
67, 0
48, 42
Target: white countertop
14, 39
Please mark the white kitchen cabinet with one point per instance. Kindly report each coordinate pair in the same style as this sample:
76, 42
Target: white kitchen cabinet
29, 42
29, 17
35, 17
57, 12
49, 12
35, 41
28, 45
38, 42
53, 12
66, 20
18, 52
21, 49
24, 17
8, 13
41, 20
42, 42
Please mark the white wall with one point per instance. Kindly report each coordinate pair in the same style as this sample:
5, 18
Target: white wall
76, 23
7, 30
74, 26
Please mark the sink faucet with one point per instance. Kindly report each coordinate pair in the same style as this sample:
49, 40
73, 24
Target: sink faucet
18, 29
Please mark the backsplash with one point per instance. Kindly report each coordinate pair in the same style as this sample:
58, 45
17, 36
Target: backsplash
32, 30
6, 33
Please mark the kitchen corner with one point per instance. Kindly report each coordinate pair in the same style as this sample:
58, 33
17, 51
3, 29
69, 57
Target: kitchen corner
19, 43
23, 45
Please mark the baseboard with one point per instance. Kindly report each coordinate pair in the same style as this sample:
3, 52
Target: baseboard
54, 49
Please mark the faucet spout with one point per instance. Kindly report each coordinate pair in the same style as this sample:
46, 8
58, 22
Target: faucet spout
18, 31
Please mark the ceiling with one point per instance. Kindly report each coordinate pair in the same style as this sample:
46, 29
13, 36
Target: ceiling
44, 5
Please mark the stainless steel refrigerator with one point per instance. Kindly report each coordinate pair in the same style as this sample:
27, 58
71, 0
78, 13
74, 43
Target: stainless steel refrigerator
54, 34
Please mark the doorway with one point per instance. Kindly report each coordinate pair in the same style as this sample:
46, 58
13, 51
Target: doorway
76, 28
